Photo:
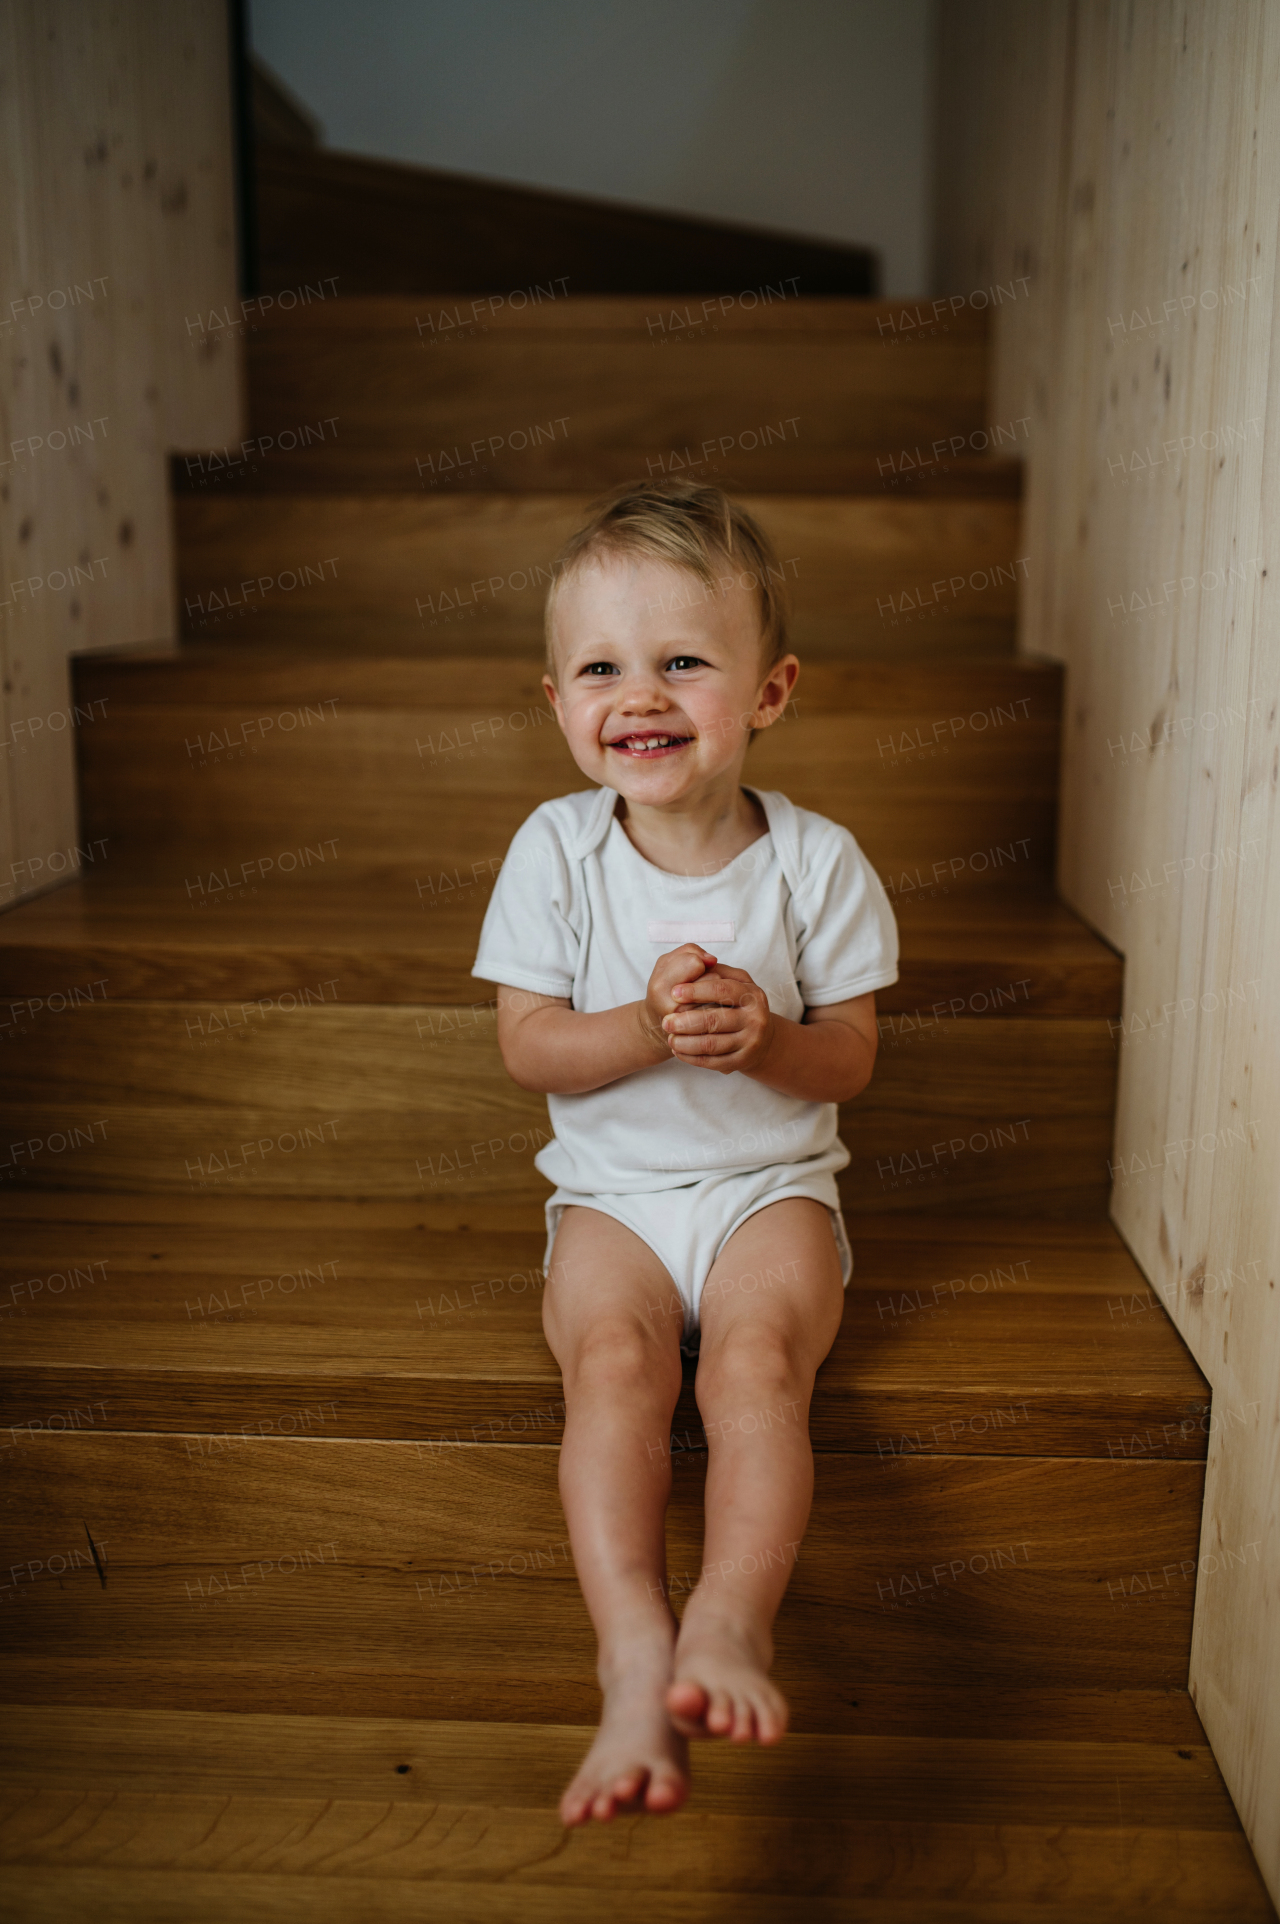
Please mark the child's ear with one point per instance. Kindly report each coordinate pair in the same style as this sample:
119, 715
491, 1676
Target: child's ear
553, 696
775, 690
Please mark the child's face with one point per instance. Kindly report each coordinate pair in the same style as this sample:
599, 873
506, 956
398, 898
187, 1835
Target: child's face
658, 680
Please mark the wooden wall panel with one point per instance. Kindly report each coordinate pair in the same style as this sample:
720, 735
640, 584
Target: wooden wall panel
1126, 158
115, 174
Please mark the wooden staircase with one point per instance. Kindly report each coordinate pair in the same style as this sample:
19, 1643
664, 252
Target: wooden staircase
294, 1624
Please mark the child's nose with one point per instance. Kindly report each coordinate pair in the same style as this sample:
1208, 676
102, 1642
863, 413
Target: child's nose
641, 690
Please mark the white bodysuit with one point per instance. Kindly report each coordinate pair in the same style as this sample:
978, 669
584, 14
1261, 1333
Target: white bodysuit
679, 1155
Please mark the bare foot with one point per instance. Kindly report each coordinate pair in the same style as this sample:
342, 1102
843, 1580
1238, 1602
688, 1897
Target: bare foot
637, 1759
721, 1685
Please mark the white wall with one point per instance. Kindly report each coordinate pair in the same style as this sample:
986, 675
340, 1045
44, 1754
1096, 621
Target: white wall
806, 115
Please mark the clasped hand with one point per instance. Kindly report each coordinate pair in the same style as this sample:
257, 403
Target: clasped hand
710, 1015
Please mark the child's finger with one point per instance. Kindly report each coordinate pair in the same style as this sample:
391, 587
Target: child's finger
703, 1023
693, 1017
685, 965
709, 988
692, 1048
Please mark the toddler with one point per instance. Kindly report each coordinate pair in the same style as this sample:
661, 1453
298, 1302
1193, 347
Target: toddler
687, 968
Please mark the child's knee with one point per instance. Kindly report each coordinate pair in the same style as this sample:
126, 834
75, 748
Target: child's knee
751, 1362
626, 1355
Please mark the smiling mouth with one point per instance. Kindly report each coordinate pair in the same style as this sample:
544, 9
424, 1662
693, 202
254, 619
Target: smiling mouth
648, 748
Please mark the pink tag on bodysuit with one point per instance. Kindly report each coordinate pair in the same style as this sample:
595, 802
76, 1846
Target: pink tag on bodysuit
709, 932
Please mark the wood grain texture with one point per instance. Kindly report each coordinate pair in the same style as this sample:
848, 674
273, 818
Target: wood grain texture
412, 1334
896, 1707
1129, 163
139, 1897
1089, 1233
74, 1206
820, 1777
385, 319
332, 1849
199, 675
942, 791
354, 1099
317, 1827
456, 393
985, 954
258, 464
115, 166
864, 574
147, 1898
1015, 1572
352, 1814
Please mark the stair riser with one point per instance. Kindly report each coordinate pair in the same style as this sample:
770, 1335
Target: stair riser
330, 1552
400, 1101
529, 409
446, 788
390, 571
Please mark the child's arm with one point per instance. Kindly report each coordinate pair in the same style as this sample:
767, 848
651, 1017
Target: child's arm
725, 1023
552, 1048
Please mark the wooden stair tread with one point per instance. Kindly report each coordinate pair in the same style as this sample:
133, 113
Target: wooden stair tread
612, 314
905, 1706
237, 676
1005, 1349
373, 937
366, 639
816, 1776
142, 1897
118, 1814
1092, 1233
374, 467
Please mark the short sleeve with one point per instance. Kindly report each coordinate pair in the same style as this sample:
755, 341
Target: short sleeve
532, 928
847, 936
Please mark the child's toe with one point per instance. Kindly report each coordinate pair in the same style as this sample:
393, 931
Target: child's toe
626, 1788
687, 1705
666, 1791
575, 1807
744, 1723
720, 1713
771, 1720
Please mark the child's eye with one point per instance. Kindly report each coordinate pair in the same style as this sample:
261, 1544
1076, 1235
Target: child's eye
599, 668
686, 661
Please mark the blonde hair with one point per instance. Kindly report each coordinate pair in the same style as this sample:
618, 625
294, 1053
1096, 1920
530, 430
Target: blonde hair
688, 525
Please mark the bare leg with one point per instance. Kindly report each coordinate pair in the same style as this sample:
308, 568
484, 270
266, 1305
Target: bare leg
614, 1325
770, 1311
